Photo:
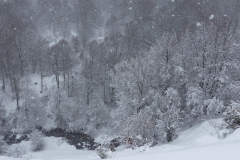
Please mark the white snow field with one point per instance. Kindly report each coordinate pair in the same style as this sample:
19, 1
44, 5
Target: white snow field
196, 143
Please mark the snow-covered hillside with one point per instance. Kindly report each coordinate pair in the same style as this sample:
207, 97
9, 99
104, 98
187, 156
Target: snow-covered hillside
8, 99
196, 143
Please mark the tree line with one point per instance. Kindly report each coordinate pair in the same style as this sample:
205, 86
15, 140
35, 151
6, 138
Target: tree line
129, 68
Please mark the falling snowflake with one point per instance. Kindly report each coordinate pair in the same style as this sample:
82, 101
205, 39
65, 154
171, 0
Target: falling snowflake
198, 24
211, 17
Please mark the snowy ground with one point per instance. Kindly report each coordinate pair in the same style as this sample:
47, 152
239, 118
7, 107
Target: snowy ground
196, 143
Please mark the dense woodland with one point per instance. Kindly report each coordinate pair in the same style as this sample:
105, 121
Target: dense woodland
128, 68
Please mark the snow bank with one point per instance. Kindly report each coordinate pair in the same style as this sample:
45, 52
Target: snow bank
233, 138
196, 143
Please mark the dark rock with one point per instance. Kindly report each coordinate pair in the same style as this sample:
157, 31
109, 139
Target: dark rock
56, 132
78, 139
11, 138
115, 142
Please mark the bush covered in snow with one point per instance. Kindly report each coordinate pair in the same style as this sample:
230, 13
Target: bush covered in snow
137, 129
37, 141
3, 147
16, 151
232, 115
104, 151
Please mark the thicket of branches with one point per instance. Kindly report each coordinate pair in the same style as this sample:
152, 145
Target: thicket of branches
139, 69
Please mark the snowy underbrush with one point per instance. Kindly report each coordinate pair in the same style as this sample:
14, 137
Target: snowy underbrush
16, 151
104, 152
198, 142
108, 148
3, 147
137, 142
37, 141
21, 148
219, 128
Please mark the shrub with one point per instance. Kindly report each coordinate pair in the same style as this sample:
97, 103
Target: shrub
104, 152
3, 147
16, 151
37, 141
115, 143
232, 115
138, 128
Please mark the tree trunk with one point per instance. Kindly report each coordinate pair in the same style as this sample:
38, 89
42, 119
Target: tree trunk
72, 85
64, 79
17, 99
57, 80
104, 93
41, 81
169, 135
88, 95
20, 56
68, 85
3, 85
3, 78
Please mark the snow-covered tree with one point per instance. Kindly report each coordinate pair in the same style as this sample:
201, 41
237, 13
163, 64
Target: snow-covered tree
195, 98
64, 109
138, 129
168, 118
98, 117
32, 112
130, 80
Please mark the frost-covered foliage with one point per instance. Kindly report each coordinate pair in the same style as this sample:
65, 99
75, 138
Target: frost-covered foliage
72, 114
168, 118
105, 151
16, 151
102, 153
138, 129
130, 79
37, 141
214, 107
31, 112
232, 115
133, 95
98, 117
64, 109
195, 101
199, 105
